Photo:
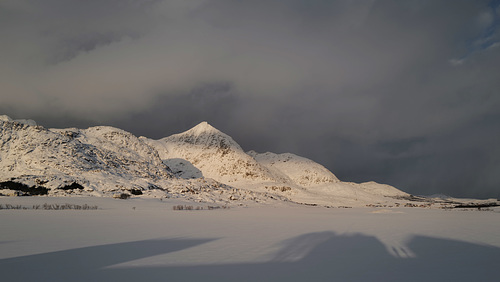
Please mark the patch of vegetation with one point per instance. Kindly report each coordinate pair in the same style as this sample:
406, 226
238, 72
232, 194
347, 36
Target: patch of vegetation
412, 205
28, 190
198, 208
218, 207
476, 206
182, 207
49, 207
279, 188
122, 196
411, 198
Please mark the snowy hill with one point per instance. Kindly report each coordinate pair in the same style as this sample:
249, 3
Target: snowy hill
211, 153
299, 170
214, 153
201, 164
56, 158
99, 161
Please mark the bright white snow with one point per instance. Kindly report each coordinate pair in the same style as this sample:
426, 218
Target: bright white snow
146, 240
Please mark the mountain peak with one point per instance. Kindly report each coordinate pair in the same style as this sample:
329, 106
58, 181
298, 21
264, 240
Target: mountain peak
203, 127
204, 135
5, 118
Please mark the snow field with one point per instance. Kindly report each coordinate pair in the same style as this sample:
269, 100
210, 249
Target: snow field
128, 239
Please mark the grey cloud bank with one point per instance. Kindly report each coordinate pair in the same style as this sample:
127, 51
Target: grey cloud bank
400, 92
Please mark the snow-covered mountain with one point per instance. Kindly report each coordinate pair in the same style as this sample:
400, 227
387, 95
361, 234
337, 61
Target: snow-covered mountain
59, 157
299, 170
100, 161
201, 164
216, 155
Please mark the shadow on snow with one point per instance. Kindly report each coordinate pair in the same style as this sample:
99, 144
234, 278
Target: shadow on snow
323, 256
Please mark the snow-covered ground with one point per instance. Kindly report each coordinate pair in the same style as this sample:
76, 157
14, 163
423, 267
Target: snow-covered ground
147, 240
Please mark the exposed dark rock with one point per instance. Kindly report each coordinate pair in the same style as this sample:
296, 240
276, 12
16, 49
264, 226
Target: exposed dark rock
72, 186
135, 191
29, 190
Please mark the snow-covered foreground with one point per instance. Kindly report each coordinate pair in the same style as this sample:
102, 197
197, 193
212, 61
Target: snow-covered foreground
146, 240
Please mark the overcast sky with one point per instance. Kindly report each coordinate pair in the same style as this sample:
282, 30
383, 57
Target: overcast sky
400, 92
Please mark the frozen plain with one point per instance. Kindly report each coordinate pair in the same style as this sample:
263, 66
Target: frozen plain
146, 240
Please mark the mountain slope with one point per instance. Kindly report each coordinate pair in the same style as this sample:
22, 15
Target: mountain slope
216, 155
201, 164
299, 170
68, 156
213, 153
99, 161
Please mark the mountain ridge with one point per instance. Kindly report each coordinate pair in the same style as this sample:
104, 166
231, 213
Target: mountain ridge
200, 164
216, 155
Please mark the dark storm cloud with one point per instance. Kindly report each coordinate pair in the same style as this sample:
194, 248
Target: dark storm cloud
401, 92
177, 112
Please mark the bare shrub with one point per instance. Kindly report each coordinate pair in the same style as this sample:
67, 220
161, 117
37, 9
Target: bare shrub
279, 188
50, 207
178, 207
217, 207
122, 196
198, 208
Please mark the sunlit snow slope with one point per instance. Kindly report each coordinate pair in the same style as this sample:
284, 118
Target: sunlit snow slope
99, 161
201, 164
216, 155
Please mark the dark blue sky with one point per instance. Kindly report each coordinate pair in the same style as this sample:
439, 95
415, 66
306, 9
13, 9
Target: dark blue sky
401, 92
